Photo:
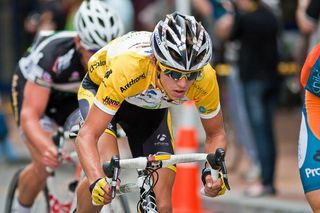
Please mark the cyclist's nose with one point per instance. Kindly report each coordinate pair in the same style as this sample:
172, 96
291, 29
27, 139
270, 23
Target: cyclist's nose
182, 82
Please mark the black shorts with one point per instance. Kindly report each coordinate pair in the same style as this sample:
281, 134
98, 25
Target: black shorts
148, 130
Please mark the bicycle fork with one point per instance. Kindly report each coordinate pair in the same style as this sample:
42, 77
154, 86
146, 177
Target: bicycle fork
147, 202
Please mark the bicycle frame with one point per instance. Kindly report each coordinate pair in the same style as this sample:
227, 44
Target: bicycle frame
57, 205
66, 206
47, 201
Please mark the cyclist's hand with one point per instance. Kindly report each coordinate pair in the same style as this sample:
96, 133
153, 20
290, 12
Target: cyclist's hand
214, 188
100, 192
50, 157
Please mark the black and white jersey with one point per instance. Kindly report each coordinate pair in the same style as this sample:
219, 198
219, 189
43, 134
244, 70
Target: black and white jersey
52, 62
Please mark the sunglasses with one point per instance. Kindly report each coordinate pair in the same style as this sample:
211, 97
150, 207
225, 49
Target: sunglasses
177, 74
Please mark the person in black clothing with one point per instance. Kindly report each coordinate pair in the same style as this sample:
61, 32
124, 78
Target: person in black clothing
308, 16
255, 26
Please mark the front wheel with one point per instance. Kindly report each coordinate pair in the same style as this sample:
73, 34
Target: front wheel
41, 203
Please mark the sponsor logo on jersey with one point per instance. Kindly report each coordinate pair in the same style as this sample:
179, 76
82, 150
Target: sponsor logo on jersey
74, 76
314, 79
109, 101
97, 64
200, 89
63, 62
316, 156
202, 109
108, 73
132, 82
47, 77
312, 172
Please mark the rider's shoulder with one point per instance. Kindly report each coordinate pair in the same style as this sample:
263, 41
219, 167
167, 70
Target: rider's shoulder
137, 42
207, 81
208, 73
46, 37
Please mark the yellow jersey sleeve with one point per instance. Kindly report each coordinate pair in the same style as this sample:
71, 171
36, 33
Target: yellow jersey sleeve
205, 92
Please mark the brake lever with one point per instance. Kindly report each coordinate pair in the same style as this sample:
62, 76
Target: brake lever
112, 171
58, 140
225, 175
217, 162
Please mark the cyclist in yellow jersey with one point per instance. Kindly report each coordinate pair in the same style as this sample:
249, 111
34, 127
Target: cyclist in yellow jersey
132, 81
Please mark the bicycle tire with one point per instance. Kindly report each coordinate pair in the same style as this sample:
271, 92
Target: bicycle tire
11, 197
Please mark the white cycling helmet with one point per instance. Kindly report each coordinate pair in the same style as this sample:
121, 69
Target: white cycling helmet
181, 42
97, 23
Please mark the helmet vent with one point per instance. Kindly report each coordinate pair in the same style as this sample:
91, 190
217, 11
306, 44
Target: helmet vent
174, 54
169, 37
111, 21
101, 22
83, 23
174, 28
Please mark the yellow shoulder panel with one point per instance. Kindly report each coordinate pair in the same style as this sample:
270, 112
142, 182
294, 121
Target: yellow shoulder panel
205, 92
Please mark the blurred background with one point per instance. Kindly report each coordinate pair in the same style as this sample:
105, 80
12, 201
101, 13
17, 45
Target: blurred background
21, 20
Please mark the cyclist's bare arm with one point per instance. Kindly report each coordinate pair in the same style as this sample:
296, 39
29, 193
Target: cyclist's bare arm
305, 24
86, 142
34, 104
215, 135
215, 138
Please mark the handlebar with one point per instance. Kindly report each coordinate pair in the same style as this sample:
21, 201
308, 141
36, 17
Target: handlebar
215, 160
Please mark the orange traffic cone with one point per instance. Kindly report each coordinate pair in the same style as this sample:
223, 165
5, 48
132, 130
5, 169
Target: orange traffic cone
186, 190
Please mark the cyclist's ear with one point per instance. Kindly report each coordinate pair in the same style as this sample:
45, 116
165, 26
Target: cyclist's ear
77, 41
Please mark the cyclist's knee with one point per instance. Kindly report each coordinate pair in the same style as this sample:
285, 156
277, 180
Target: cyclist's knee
84, 203
164, 207
315, 207
39, 170
81, 189
313, 199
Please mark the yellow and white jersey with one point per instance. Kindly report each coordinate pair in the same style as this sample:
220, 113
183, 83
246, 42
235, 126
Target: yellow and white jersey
125, 69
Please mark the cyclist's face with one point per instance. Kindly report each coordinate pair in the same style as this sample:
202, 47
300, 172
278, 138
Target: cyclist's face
175, 88
85, 56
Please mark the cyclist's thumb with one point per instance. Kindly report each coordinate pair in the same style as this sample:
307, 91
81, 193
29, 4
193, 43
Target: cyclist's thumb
53, 150
209, 181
